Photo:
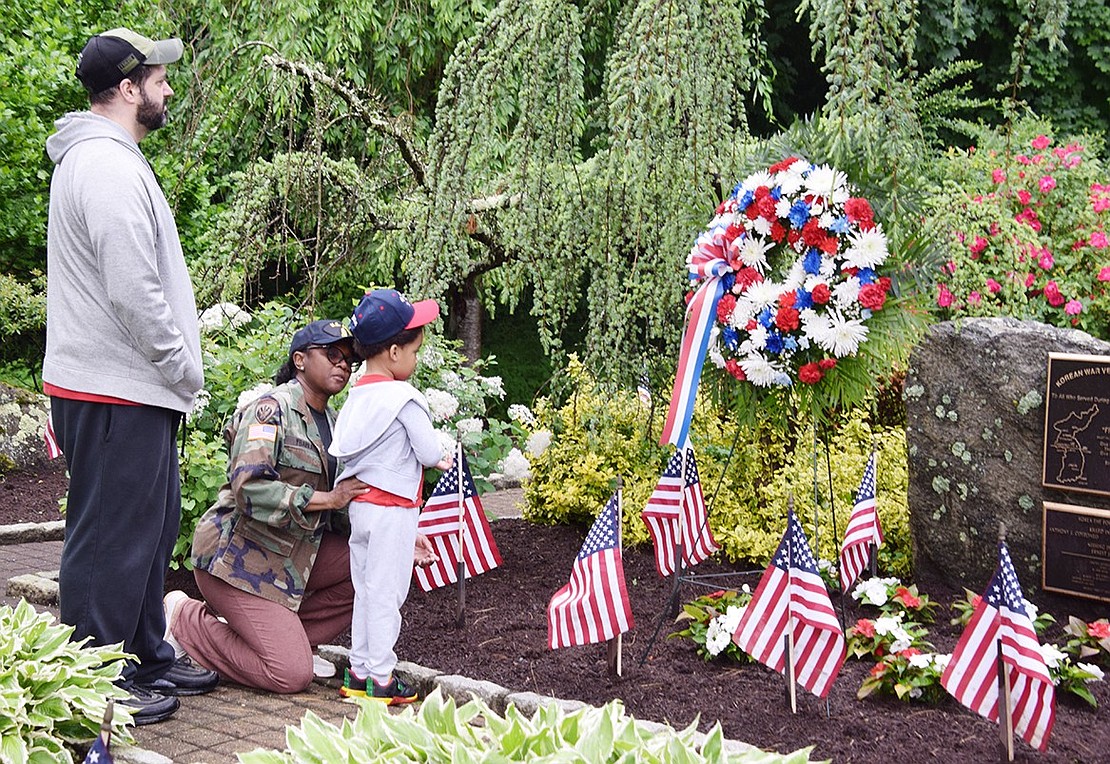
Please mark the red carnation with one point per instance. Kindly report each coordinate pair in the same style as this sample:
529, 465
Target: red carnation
732, 232
778, 233
725, 307
783, 165
745, 277
859, 210
786, 319
826, 363
786, 299
812, 234
766, 207
829, 245
810, 373
751, 325
872, 296
732, 366
792, 236
884, 282
820, 294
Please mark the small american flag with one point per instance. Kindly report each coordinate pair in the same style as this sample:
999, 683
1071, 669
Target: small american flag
863, 529
643, 389
676, 513
98, 753
792, 599
440, 522
972, 674
594, 606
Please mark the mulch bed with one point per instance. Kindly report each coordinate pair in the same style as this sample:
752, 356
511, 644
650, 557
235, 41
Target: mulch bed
505, 641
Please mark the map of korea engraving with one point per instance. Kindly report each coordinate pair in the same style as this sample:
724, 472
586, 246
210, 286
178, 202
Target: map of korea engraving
1077, 424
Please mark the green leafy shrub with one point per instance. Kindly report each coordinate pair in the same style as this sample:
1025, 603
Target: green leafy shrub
1028, 229
53, 692
441, 732
600, 433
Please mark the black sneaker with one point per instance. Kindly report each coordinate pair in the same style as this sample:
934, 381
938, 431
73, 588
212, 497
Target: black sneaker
394, 693
184, 678
149, 707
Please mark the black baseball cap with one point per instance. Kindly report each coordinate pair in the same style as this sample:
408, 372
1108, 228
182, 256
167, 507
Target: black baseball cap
384, 313
324, 332
109, 57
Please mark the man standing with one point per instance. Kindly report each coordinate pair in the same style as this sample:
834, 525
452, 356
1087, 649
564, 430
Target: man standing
122, 366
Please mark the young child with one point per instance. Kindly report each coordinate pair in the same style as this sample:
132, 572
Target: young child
384, 436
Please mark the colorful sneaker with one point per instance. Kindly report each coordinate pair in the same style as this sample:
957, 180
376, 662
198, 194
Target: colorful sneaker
394, 693
353, 687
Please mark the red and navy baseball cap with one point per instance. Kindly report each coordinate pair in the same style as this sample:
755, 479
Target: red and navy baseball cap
109, 57
384, 313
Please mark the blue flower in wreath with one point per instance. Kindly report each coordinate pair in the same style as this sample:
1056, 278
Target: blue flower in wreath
731, 338
840, 225
766, 318
812, 262
774, 343
726, 283
790, 343
799, 214
802, 299
776, 193
866, 276
744, 201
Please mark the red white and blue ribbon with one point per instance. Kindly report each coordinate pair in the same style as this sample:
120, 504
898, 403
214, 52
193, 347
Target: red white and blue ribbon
707, 261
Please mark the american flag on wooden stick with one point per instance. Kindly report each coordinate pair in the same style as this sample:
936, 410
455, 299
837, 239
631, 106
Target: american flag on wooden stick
594, 605
676, 515
440, 522
1000, 618
863, 530
792, 600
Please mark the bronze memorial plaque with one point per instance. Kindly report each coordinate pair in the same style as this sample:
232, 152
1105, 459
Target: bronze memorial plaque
1076, 551
1077, 424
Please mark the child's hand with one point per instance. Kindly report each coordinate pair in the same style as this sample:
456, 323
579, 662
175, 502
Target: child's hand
424, 554
445, 463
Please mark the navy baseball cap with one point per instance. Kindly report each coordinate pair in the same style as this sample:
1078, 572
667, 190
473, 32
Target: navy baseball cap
384, 313
323, 332
109, 57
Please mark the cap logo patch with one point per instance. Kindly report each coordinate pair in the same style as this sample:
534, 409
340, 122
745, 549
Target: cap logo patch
129, 63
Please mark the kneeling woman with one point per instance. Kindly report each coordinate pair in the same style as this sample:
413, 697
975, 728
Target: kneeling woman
270, 557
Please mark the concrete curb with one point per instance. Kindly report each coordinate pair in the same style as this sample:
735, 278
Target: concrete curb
26, 533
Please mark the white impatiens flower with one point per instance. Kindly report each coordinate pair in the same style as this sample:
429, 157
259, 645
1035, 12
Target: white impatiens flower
1093, 670
515, 466
828, 183
1052, 655
752, 251
921, 660
941, 661
537, 443
521, 413
717, 636
442, 405
494, 386
873, 591
254, 393
732, 616
866, 249
223, 314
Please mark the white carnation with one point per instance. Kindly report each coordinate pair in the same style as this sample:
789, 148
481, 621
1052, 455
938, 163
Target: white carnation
442, 405
846, 292
761, 225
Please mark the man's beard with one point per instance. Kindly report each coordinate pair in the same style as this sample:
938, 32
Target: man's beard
151, 115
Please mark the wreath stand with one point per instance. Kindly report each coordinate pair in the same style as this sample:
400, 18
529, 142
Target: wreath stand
680, 576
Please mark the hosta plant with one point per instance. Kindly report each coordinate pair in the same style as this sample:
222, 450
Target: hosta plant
908, 675
440, 731
53, 692
711, 620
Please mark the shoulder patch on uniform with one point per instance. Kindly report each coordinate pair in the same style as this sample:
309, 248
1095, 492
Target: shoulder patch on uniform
267, 432
267, 411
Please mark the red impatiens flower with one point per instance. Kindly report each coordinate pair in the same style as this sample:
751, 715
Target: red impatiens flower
1099, 629
866, 627
907, 598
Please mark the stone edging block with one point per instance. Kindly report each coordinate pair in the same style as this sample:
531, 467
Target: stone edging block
26, 533
37, 588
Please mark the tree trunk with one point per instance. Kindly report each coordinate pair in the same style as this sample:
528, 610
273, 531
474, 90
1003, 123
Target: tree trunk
466, 315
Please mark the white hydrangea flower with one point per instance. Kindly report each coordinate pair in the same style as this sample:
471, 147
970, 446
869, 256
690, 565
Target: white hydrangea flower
521, 413
494, 386
537, 443
254, 393
446, 442
1096, 673
429, 357
200, 403
516, 466
473, 424
222, 314
442, 405
451, 381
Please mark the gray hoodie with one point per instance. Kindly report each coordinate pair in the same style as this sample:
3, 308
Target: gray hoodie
121, 316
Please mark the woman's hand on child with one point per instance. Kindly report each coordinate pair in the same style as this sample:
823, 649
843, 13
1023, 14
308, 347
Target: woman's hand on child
424, 554
337, 497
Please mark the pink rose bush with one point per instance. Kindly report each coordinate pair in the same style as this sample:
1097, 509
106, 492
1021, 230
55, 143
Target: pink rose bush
1030, 232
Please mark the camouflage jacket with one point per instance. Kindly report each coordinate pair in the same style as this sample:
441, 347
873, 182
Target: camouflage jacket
257, 536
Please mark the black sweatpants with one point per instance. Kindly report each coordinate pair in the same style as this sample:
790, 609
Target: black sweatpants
122, 518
